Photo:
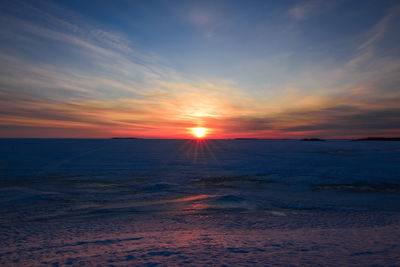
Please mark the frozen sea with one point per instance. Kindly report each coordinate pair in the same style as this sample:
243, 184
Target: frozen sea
125, 202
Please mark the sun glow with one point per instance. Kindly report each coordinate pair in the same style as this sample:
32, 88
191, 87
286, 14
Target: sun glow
199, 132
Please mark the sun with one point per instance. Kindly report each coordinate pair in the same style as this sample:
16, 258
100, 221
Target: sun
199, 132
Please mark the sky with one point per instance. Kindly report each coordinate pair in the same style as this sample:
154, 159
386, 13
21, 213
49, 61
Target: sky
156, 69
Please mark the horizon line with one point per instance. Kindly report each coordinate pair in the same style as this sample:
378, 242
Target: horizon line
204, 139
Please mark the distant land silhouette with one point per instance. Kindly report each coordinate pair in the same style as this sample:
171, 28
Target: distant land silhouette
125, 138
312, 139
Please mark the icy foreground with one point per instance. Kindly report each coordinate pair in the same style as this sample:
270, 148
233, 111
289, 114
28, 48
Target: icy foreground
226, 202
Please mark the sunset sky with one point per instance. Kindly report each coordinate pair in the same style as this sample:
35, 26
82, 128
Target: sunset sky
155, 69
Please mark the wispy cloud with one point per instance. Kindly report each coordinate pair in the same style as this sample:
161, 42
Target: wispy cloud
305, 9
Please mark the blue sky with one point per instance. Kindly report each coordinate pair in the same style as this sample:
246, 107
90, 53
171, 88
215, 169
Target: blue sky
237, 68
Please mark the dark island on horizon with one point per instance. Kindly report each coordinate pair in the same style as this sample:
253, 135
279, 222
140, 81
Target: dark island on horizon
126, 138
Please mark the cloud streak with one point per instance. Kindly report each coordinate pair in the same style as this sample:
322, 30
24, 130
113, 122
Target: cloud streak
308, 8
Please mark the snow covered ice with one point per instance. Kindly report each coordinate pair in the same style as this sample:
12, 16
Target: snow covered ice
186, 202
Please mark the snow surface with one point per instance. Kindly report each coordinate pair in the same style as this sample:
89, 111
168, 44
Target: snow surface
185, 202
